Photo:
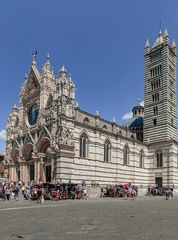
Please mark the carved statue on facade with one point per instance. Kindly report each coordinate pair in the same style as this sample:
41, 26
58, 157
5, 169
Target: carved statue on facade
32, 86
35, 153
65, 137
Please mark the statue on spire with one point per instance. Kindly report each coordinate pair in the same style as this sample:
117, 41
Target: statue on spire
34, 58
48, 59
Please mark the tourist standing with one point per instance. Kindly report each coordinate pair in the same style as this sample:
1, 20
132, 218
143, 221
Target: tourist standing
8, 192
42, 194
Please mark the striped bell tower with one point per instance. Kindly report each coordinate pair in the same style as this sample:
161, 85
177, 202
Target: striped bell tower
160, 90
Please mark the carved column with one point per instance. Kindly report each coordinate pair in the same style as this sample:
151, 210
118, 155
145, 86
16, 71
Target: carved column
42, 174
36, 170
14, 173
25, 173
52, 169
41, 168
11, 170
21, 172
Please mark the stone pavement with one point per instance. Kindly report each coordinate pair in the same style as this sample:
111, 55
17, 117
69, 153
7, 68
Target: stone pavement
102, 219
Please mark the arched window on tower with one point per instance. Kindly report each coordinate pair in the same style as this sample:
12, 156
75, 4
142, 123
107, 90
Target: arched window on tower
153, 97
156, 84
156, 110
159, 159
154, 122
151, 86
83, 146
107, 151
141, 160
126, 155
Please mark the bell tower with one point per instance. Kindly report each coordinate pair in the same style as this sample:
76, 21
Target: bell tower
160, 90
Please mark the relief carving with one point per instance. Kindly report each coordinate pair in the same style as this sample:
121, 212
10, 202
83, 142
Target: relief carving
65, 137
32, 86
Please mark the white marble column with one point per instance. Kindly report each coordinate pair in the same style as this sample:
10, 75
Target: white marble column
36, 171
42, 173
14, 173
52, 169
10, 173
21, 172
25, 173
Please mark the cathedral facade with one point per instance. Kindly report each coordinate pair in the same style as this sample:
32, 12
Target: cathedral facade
49, 138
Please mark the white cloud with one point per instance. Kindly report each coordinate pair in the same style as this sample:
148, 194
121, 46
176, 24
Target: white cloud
3, 134
2, 151
127, 116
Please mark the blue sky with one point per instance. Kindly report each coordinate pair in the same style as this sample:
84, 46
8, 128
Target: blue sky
101, 43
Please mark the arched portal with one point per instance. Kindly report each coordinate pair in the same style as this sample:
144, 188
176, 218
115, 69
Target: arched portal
27, 153
43, 145
46, 168
15, 175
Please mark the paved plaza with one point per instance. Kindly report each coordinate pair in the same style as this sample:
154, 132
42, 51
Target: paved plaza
105, 219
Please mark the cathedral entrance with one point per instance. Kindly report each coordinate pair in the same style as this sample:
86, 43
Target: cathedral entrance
48, 173
159, 181
32, 172
18, 173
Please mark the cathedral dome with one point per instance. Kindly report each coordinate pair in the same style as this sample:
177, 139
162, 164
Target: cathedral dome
135, 122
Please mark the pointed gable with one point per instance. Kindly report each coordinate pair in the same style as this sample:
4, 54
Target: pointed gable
49, 101
32, 84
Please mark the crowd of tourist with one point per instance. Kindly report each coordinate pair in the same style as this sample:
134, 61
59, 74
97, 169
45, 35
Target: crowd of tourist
121, 190
18, 190
160, 191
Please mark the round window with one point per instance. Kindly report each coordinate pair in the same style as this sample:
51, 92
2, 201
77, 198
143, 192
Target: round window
33, 115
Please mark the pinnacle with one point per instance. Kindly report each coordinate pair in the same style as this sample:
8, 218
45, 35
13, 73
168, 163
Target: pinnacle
166, 33
63, 69
48, 59
26, 76
173, 44
15, 106
34, 58
147, 43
